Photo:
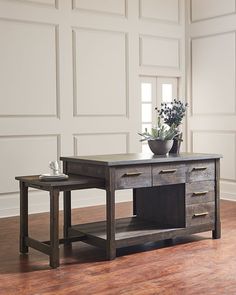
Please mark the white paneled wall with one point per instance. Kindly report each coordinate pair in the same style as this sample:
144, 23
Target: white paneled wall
70, 82
211, 27
206, 9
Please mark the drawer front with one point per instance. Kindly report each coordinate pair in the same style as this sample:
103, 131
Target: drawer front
201, 170
133, 177
168, 174
200, 214
200, 192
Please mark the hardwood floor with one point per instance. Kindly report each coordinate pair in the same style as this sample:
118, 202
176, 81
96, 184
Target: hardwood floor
192, 265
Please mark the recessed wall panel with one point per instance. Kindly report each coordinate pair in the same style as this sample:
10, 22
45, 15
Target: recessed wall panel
45, 2
218, 143
160, 10
213, 74
111, 6
159, 52
99, 144
25, 155
100, 74
28, 71
203, 9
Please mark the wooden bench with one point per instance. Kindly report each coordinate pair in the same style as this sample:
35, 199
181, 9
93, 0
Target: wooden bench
51, 247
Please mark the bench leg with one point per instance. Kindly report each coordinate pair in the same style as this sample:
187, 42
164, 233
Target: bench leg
23, 217
67, 215
54, 228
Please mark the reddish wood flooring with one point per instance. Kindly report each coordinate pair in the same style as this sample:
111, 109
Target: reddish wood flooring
192, 265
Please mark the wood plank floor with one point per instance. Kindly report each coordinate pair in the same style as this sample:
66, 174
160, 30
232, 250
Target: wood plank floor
192, 265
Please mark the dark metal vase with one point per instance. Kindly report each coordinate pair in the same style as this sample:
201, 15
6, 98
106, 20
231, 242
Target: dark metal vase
176, 144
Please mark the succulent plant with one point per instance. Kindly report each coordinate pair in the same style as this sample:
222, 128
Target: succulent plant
161, 132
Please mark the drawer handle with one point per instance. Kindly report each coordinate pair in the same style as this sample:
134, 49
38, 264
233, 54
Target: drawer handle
200, 193
199, 168
200, 214
132, 174
168, 171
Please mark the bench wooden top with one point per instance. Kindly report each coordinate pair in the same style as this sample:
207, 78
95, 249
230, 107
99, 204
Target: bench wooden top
74, 182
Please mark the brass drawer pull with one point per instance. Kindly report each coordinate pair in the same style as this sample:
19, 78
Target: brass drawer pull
200, 193
199, 168
168, 171
200, 214
132, 174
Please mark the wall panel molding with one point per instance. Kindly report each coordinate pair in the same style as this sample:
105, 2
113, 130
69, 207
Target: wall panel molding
205, 37
55, 104
162, 19
230, 157
102, 134
171, 60
98, 10
76, 104
38, 3
193, 19
31, 149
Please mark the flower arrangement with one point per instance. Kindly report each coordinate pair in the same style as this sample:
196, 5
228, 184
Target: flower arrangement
169, 118
172, 113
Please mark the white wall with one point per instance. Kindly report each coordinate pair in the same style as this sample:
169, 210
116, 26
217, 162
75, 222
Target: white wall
211, 29
69, 82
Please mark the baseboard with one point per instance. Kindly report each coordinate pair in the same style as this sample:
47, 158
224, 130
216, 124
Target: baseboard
228, 190
39, 201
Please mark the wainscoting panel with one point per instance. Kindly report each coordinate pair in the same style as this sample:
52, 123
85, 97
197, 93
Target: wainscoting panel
219, 143
213, 74
205, 9
116, 7
25, 155
99, 144
43, 2
28, 71
159, 52
160, 10
100, 60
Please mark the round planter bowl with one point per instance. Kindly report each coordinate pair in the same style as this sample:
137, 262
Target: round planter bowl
160, 147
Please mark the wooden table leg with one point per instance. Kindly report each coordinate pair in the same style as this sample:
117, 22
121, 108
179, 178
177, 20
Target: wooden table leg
67, 214
23, 217
110, 217
216, 233
54, 228
134, 201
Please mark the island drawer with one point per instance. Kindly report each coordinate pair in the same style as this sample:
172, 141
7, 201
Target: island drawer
168, 174
200, 192
200, 214
201, 170
133, 177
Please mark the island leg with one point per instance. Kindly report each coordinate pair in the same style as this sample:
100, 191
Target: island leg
216, 233
110, 222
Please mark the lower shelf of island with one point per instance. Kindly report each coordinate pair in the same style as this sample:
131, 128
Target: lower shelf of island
132, 231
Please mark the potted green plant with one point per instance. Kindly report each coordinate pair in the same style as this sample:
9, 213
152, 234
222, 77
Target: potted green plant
160, 139
173, 114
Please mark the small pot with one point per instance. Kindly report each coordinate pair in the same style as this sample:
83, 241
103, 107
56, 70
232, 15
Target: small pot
177, 143
160, 147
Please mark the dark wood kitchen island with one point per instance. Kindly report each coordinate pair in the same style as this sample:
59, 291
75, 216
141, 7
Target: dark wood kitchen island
173, 195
